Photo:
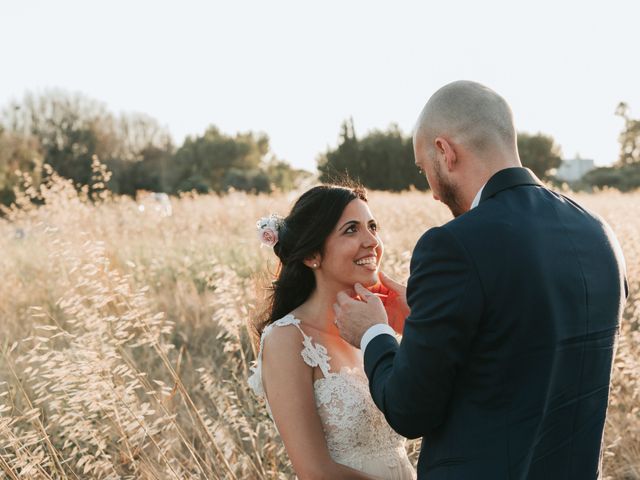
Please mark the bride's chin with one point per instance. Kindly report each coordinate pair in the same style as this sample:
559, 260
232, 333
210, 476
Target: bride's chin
370, 280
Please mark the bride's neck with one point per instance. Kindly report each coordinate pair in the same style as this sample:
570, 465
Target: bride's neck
317, 311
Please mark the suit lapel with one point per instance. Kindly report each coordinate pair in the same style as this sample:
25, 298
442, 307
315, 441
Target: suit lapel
508, 178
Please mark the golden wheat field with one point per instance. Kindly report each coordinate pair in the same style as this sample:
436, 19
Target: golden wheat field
126, 339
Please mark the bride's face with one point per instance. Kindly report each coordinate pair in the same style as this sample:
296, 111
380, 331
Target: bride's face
352, 252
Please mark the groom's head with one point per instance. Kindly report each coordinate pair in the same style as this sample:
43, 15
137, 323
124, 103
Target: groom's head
465, 133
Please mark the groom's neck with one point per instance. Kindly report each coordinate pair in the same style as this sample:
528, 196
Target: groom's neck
480, 170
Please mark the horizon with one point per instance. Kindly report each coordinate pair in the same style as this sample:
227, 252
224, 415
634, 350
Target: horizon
248, 67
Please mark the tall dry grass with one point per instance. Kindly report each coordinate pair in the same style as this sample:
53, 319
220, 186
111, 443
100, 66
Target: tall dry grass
125, 346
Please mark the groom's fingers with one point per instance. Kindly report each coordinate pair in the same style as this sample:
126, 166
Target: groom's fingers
343, 298
363, 293
390, 283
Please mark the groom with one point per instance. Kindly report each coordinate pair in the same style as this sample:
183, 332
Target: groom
512, 311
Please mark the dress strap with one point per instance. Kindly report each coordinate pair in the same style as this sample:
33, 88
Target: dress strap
314, 354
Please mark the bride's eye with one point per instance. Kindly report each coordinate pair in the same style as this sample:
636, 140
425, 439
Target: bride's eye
374, 226
350, 229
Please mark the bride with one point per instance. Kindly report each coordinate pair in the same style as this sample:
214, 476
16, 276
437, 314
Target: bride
313, 382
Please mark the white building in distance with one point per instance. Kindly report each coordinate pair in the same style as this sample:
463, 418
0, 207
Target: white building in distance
573, 169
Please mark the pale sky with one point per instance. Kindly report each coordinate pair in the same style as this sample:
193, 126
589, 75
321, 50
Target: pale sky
297, 69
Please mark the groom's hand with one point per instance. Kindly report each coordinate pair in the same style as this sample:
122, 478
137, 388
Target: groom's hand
394, 299
354, 317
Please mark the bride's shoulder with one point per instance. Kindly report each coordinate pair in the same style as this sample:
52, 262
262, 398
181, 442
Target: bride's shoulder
283, 336
282, 353
286, 321
278, 357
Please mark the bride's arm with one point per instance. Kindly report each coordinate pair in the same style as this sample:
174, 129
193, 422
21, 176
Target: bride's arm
288, 385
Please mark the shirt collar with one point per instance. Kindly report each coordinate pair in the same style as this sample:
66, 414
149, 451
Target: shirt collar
476, 200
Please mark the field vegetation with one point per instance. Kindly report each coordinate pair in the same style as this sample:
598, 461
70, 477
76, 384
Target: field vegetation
126, 332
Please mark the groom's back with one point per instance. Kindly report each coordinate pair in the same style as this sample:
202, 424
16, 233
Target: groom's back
530, 402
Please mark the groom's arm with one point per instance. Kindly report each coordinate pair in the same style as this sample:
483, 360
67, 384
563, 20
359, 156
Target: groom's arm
411, 383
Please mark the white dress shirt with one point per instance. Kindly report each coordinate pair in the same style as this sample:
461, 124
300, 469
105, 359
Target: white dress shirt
385, 329
476, 199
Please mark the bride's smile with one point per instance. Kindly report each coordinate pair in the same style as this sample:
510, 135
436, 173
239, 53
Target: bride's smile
370, 262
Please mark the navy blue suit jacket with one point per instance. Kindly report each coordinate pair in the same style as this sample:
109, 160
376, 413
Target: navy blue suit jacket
506, 356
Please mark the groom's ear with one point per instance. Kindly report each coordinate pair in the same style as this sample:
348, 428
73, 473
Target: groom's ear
446, 152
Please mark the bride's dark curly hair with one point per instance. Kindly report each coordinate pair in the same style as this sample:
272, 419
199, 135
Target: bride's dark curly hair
305, 230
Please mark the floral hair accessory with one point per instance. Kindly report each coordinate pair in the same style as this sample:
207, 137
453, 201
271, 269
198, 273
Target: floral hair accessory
268, 229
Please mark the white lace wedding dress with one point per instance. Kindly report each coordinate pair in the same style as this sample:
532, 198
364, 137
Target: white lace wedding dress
355, 430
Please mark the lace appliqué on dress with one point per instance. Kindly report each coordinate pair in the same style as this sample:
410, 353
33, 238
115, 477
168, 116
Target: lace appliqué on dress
315, 355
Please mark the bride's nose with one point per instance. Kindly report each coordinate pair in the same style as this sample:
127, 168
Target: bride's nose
370, 240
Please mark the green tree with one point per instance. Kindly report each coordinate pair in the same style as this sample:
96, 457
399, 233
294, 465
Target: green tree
207, 160
282, 176
254, 180
388, 161
625, 174
629, 137
539, 153
625, 178
344, 160
382, 160
150, 172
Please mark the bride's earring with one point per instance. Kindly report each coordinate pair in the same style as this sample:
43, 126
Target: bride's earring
315, 265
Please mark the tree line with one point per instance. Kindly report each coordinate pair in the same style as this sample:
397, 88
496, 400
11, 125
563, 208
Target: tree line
66, 131
384, 160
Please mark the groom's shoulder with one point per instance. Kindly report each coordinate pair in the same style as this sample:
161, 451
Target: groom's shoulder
474, 226
454, 228
519, 207
477, 220
440, 239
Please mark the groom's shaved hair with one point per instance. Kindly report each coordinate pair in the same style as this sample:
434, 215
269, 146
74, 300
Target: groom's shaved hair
469, 113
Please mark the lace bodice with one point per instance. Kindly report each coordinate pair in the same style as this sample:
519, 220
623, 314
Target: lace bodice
356, 432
